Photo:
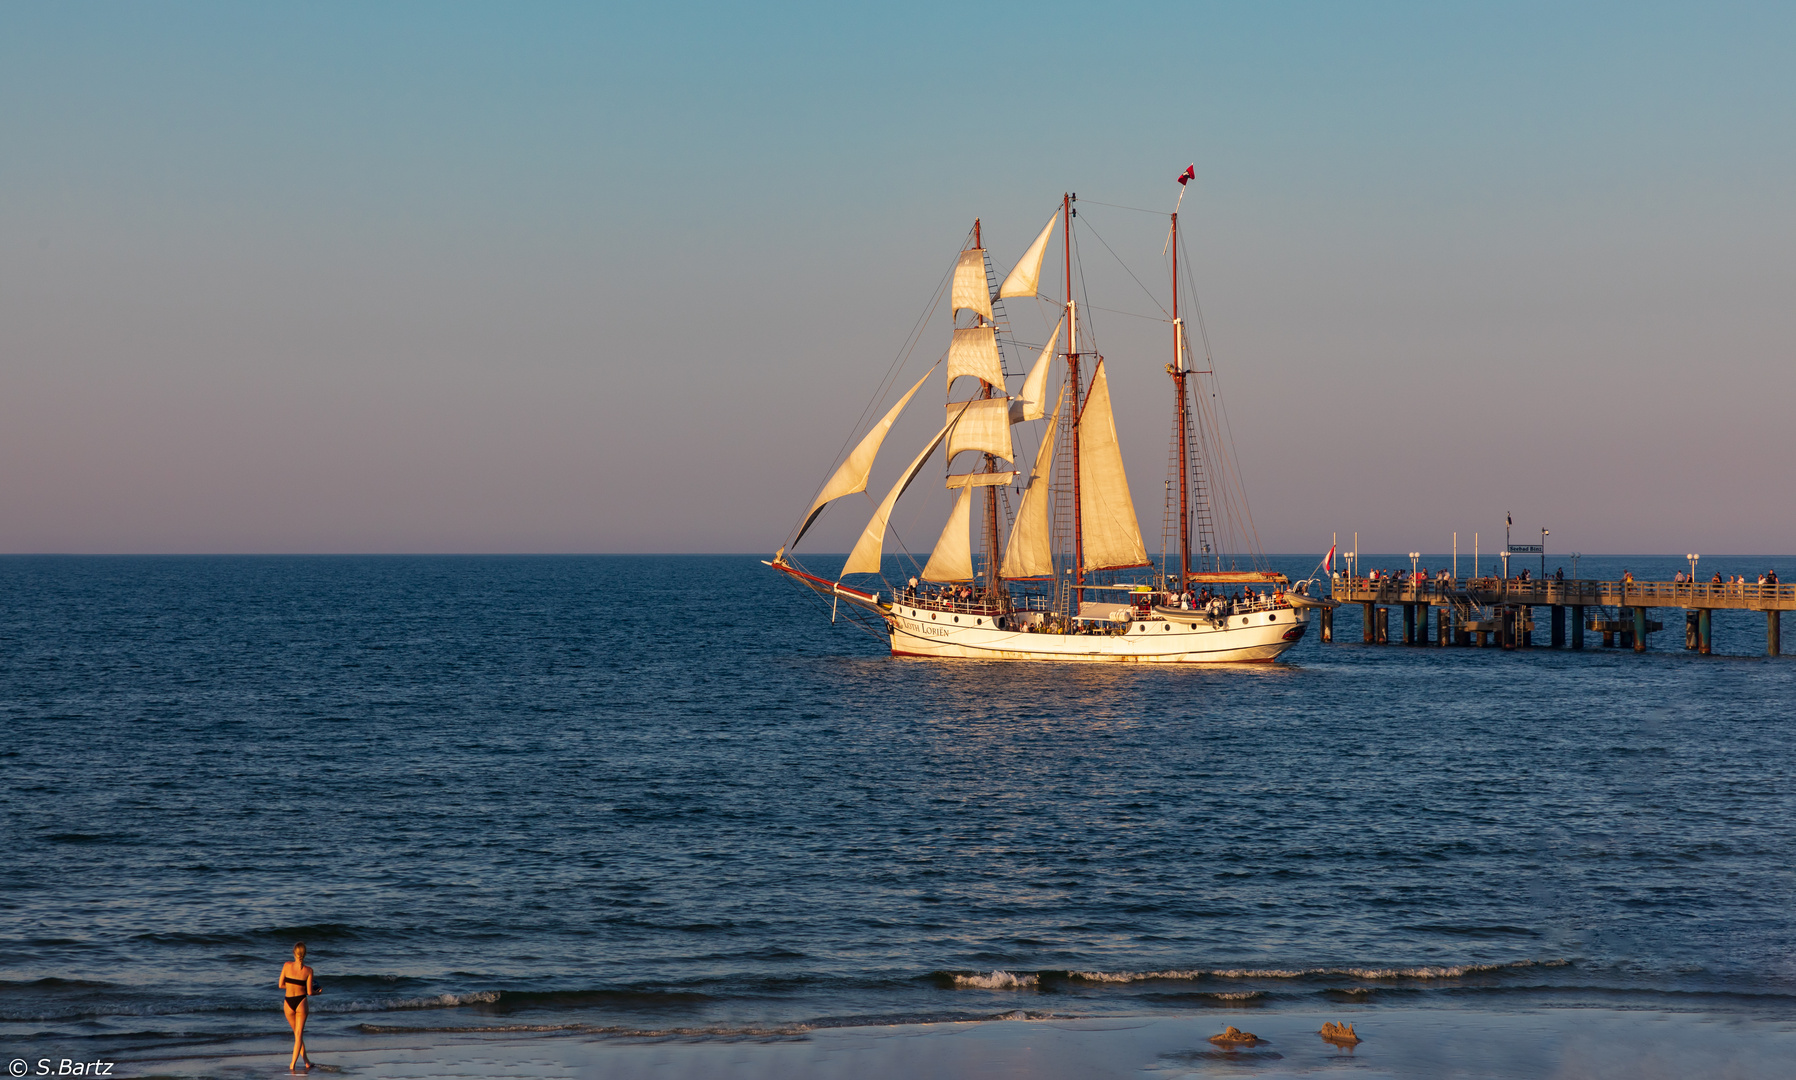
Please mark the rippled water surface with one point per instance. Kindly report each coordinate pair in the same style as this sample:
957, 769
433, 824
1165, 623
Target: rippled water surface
657, 793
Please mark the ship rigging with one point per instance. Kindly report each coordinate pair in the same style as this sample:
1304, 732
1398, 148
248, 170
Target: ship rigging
1053, 589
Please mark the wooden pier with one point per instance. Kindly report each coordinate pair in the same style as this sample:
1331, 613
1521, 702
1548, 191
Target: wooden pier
1501, 611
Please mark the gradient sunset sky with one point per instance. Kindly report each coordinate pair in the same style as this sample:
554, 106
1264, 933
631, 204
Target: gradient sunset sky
603, 278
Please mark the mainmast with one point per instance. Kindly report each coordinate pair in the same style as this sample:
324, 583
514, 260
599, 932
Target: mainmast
1072, 367
1177, 368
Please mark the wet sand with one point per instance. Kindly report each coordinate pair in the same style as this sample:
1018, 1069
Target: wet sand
1441, 1042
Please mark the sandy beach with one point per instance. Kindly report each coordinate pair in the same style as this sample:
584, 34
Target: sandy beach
1557, 1042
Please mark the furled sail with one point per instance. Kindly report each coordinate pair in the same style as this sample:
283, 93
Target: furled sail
1028, 404
952, 559
1030, 551
971, 293
981, 479
1112, 538
864, 559
852, 475
974, 351
984, 425
1025, 279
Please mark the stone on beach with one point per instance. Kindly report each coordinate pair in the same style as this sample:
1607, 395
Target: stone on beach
1339, 1033
1233, 1036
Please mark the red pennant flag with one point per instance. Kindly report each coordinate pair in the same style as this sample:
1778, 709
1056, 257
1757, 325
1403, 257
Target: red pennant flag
1188, 175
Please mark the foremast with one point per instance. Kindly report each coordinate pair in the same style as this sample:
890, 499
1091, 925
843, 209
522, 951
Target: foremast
994, 582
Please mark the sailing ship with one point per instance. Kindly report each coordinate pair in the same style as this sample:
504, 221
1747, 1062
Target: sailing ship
1070, 578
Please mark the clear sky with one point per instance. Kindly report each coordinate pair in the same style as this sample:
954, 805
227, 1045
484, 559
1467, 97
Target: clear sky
515, 278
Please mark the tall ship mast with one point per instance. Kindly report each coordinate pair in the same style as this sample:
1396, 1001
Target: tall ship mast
1058, 585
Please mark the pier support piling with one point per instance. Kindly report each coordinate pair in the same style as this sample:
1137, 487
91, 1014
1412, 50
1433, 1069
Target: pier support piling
1639, 629
1558, 626
1369, 628
1384, 625
1690, 631
1773, 633
1409, 624
1577, 614
1704, 623
1325, 621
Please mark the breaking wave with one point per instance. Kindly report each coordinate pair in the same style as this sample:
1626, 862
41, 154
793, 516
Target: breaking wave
995, 980
1426, 971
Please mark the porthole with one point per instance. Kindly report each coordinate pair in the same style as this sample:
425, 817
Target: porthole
957, 618
932, 616
1272, 618
1168, 626
1243, 620
978, 622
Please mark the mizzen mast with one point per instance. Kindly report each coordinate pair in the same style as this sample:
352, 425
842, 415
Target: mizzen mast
1177, 370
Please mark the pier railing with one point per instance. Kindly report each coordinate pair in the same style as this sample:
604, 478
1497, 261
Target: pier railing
1748, 596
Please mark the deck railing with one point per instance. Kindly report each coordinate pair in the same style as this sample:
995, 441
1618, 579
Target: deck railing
977, 605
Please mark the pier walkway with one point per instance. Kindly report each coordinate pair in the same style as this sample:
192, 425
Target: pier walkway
1497, 610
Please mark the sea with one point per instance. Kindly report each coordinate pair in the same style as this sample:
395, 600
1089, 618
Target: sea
664, 795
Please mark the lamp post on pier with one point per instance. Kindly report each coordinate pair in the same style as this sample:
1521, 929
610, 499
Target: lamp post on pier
1693, 558
1543, 553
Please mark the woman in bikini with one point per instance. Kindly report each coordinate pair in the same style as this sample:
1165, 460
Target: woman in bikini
296, 985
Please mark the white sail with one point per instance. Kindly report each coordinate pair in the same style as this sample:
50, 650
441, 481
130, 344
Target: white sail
1111, 536
1028, 405
852, 475
1030, 550
984, 426
952, 559
864, 559
1025, 279
971, 293
974, 351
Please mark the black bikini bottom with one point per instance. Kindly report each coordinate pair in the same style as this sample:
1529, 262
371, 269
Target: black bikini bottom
293, 1002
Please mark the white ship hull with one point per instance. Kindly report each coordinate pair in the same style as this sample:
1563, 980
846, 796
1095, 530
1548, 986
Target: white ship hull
1254, 637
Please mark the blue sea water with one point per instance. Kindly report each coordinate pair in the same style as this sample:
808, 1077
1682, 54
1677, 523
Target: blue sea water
658, 794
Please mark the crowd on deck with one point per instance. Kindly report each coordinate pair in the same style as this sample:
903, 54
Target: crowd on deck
1212, 603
